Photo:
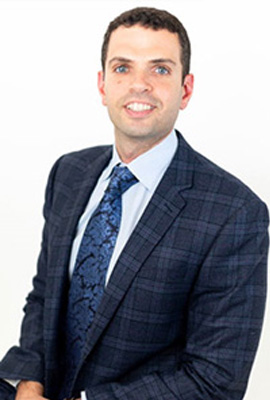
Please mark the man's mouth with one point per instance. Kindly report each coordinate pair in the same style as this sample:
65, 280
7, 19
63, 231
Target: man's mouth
139, 107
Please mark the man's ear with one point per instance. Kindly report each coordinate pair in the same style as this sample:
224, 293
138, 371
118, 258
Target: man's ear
187, 90
101, 87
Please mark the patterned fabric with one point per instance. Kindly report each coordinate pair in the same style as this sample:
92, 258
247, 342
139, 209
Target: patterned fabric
181, 315
88, 280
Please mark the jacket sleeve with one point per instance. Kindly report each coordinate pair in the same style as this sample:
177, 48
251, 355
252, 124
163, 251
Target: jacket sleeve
225, 317
26, 360
7, 391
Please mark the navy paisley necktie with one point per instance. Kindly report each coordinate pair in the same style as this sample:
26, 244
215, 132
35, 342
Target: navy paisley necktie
88, 280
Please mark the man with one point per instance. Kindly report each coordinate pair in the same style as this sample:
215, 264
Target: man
177, 312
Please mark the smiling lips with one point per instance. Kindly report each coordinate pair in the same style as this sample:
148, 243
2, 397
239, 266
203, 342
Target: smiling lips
139, 108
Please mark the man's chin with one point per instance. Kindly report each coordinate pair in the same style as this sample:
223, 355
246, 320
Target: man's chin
142, 134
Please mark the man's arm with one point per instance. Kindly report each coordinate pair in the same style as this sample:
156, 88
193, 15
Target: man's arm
224, 321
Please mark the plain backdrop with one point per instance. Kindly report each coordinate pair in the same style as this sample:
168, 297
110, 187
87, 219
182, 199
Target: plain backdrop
49, 105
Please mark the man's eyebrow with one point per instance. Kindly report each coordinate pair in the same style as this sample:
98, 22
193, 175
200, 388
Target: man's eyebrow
163, 61
154, 61
119, 59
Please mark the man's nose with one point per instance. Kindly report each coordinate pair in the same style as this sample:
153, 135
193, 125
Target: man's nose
140, 82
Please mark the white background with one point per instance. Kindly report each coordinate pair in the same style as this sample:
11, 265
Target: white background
49, 105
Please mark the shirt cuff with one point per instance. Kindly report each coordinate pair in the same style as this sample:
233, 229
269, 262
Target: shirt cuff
13, 382
83, 396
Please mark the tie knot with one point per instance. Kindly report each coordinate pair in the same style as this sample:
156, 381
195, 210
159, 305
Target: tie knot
121, 180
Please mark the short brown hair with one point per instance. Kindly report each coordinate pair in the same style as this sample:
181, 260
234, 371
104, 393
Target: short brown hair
155, 19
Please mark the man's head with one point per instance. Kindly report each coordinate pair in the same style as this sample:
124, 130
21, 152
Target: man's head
154, 19
144, 83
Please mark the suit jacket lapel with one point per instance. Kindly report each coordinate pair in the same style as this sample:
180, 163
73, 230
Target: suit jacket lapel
166, 203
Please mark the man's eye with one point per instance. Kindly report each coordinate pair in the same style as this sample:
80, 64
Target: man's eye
162, 70
121, 69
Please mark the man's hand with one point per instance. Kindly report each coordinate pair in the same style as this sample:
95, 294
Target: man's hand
29, 390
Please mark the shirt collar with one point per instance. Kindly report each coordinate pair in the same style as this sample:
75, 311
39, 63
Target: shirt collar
151, 165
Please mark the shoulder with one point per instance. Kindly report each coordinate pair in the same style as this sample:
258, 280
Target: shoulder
83, 158
216, 185
74, 163
74, 167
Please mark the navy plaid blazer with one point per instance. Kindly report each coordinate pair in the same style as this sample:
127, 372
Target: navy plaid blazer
182, 313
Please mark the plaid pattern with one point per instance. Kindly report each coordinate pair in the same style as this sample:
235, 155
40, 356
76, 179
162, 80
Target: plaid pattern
182, 313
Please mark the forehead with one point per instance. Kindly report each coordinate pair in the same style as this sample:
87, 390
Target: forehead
141, 42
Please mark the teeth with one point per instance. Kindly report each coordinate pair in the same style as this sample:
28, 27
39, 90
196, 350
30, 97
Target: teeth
139, 107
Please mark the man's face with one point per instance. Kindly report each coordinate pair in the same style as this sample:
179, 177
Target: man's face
142, 83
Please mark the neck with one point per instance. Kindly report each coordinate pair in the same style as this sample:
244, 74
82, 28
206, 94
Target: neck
129, 150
